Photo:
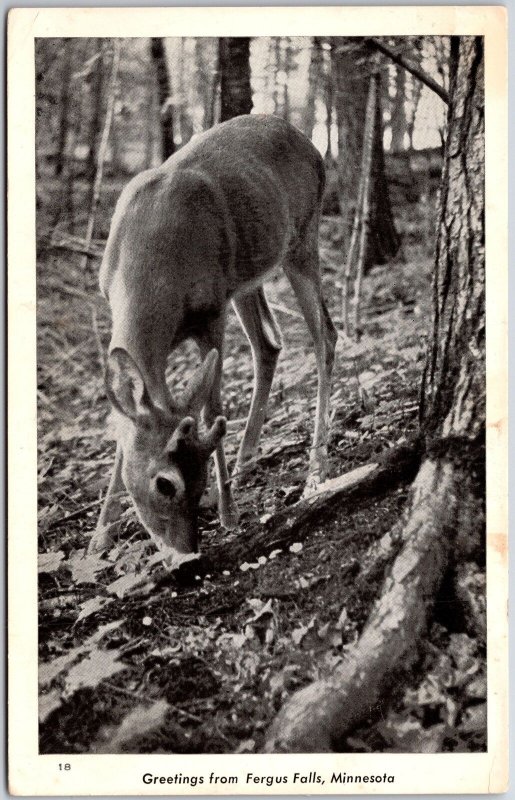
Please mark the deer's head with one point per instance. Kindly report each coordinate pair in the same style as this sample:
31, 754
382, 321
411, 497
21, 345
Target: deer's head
164, 456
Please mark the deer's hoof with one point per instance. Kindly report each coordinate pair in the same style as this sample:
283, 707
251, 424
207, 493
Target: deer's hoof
242, 468
312, 483
229, 517
209, 499
100, 541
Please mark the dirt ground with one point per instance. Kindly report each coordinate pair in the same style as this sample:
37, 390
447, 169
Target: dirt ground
134, 662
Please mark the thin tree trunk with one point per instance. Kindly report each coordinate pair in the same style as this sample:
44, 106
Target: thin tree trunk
164, 93
315, 71
329, 108
185, 126
96, 111
352, 65
212, 111
360, 228
236, 92
287, 68
276, 68
102, 150
64, 109
398, 122
151, 112
415, 92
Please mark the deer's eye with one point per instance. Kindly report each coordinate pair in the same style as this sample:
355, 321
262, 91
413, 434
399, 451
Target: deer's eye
165, 487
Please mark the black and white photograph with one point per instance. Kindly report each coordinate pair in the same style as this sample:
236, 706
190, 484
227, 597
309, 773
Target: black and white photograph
261, 377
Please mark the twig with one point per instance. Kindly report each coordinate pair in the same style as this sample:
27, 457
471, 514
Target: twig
284, 310
73, 514
417, 72
91, 252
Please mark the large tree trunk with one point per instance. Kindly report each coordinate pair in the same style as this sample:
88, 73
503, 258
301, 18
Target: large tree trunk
236, 93
454, 386
444, 517
164, 93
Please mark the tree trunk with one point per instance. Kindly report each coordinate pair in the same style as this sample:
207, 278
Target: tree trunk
236, 92
164, 93
213, 105
64, 110
314, 75
352, 65
96, 94
445, 508
398, 123
453, 392
287, 69
185, 124
329, 106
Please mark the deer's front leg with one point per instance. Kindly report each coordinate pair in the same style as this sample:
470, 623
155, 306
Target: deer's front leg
213, 408
102, 538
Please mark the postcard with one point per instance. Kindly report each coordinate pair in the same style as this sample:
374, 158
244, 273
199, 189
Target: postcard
257, 332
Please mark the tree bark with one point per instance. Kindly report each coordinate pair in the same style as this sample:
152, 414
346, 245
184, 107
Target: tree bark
399, 122
164, 92
64, 110
236, 92
96, 93
453, 392
185, 124
444, 510
352, 65
314, 75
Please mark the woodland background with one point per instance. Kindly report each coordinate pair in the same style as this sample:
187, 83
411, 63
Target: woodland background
136, 661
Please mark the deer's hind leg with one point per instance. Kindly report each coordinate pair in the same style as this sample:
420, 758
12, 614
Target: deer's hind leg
264, 335
303, 271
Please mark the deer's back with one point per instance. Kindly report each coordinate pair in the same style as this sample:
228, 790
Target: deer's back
215, 217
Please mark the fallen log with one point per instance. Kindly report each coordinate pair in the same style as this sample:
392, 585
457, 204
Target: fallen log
296, 522
317, 718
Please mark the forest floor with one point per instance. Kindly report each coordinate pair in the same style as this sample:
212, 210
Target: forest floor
132, 662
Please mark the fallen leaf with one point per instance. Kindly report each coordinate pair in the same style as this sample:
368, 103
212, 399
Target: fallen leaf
122, 586
50, 562
51, 669
137, 723
92, 606
474, 719
92, 670
85, 568
48, 703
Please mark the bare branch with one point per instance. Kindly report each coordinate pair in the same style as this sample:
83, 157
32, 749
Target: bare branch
422, 76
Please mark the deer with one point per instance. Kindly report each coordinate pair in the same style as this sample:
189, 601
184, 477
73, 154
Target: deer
207, 227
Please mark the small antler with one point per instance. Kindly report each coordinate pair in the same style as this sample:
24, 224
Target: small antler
185, 432
214, 435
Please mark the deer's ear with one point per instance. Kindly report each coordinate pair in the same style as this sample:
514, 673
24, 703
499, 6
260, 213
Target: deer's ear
125, 386
201, 383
